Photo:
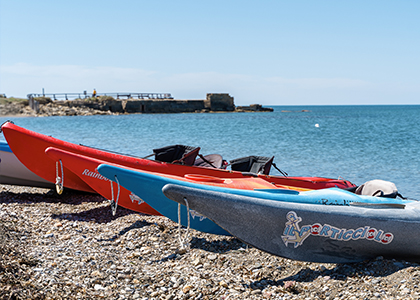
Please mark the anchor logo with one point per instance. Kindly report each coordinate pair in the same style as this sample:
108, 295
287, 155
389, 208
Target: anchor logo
293, 233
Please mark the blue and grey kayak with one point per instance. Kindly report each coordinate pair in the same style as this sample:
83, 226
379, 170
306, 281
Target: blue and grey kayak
311, 232
149, 188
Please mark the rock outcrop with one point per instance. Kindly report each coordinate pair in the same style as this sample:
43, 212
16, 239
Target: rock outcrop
253, 108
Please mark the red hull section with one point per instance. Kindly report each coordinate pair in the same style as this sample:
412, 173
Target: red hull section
29, 147
86, 168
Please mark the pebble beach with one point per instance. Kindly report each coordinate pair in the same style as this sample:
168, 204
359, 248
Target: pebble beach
70, 246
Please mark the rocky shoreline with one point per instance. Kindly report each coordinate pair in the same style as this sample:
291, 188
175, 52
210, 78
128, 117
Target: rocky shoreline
71, 247
49, 109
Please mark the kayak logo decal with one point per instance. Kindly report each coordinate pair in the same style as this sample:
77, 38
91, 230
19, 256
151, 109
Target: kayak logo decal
296, 235
195, 214
94, 174
134, 197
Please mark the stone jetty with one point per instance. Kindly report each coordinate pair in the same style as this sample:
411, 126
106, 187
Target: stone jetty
103, 105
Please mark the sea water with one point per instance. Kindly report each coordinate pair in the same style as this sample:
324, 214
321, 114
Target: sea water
358, 143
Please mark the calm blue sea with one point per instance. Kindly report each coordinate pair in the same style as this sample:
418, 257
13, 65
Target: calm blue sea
358, 143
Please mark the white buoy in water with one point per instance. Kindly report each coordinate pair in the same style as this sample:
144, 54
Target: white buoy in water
316, 125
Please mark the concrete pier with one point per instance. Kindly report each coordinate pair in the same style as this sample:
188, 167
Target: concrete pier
214, 102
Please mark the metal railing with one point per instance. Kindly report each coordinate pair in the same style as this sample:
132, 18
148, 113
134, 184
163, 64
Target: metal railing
139, 95
72, 96
61, 96
84, 95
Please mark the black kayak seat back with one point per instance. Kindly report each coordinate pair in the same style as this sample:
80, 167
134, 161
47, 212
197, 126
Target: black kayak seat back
252, 164
210, 161
181, 154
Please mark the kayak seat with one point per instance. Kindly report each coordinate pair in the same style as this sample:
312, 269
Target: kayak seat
378, 188
252, 164
210, 161
179, 154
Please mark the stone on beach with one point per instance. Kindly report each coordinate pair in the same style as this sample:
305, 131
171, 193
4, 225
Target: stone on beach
73, 248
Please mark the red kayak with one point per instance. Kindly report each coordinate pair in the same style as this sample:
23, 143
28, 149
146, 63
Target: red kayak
86, 168
29, 147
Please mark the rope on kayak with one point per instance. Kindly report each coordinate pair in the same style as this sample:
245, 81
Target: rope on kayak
282, 172
183, 241
114, 204
59, 181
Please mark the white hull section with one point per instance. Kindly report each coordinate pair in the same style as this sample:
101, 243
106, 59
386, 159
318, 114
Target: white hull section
13, 172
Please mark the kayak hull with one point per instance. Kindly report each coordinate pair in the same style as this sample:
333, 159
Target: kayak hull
13, 172
29, 147
310, 232
86, 169
149, 188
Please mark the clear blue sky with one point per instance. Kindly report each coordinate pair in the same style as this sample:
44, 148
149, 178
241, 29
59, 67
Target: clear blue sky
268, 52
